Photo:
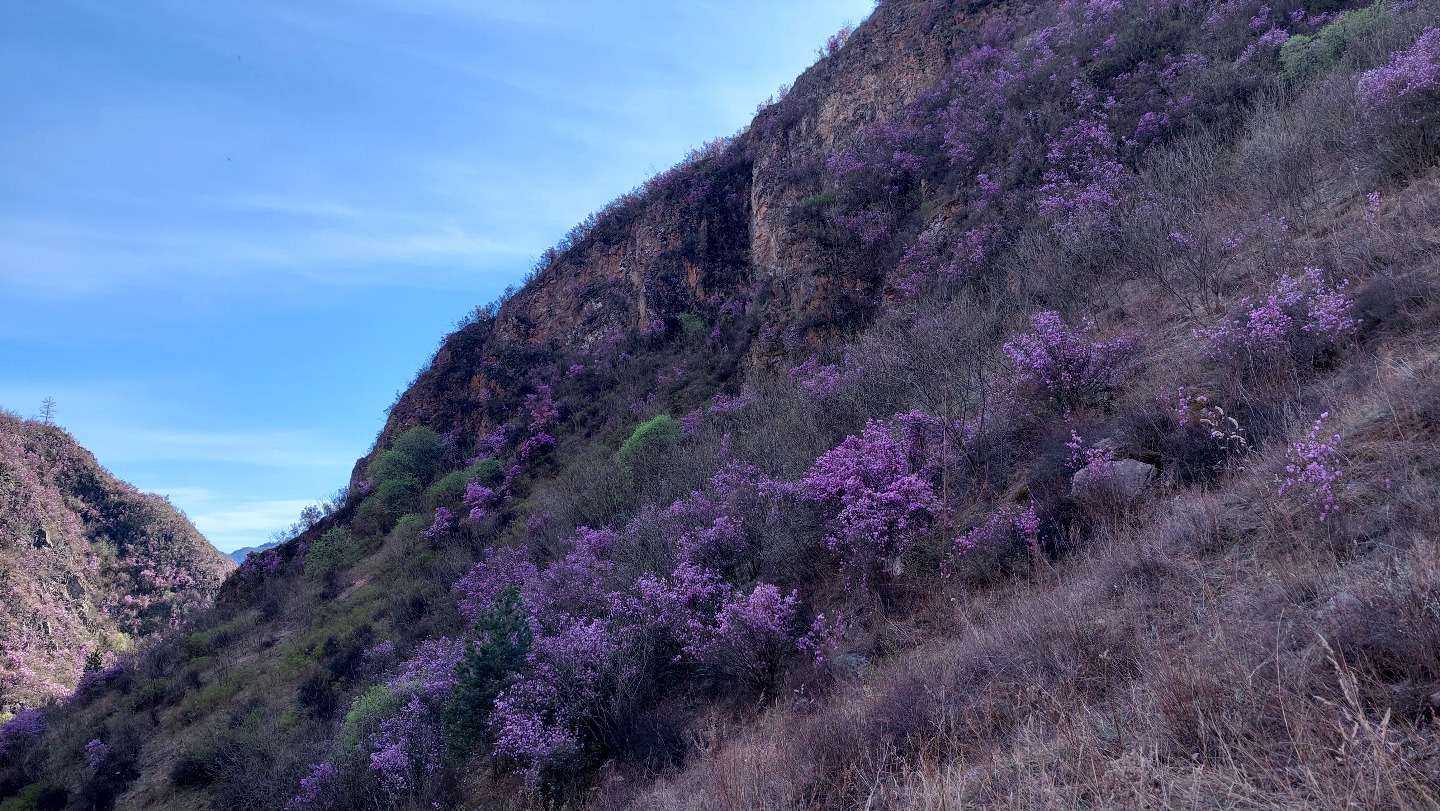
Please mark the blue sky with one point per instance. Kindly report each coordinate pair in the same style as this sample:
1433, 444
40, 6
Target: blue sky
231, 232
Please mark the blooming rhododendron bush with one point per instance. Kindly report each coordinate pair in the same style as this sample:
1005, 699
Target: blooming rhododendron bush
1034, 407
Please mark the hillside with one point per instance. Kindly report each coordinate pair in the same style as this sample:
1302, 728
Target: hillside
89, 566
239, 555
1034, 407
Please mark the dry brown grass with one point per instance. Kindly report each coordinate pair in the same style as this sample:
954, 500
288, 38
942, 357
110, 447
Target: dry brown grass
1212, 648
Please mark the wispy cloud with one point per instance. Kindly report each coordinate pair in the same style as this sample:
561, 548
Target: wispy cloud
244, 524
300, 206
60, 258
280, 449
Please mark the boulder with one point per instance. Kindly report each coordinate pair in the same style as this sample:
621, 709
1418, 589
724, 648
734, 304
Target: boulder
1122, 479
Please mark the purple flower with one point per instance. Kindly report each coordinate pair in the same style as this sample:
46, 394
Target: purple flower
1313, 470
96, 751
1295, 305
443, 523
1003, 527
492, 442
535, 444
1406, 92
480, 499
817, 378
749, 633
317, 791
879, 483
25, 726
500, 569
1056, 362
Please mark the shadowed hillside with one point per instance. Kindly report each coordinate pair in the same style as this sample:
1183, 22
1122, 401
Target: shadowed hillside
88, 565
1034, 407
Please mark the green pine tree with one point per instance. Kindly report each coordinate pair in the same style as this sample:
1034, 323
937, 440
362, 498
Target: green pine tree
494, 653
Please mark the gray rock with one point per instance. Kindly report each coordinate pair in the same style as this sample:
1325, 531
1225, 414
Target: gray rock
1123, 479
849, 666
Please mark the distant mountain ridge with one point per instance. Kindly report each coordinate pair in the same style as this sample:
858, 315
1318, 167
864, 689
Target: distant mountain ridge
88, 563
239, 555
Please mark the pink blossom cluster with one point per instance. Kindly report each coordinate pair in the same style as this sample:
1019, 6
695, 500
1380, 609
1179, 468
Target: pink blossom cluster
879, 484
820, 379
492, 442
1314, 469
1406, 92
1002, 528
1058, 363
1295, 306
837, 40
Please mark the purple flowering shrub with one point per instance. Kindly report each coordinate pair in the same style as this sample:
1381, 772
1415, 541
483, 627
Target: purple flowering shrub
501, 568
26, 726
1313, 471
1403, 97
751, 635
1001, 532
96, 752
880, 485
603, 617
259, 565
1298, 313
408, 746
820, 379
877, 178
318, 790
481, 500
1059, 365
837, 41
1085, 183
443, 523
544, 716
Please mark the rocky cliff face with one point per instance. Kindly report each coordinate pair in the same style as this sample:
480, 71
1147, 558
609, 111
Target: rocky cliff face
1013, 351
721, 237
88, 564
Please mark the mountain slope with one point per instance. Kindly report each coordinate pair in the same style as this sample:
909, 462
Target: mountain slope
239, 555
88, 564
1032, 408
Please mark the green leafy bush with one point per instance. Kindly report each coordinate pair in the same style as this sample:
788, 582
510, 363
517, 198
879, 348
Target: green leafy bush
651, 443
1305, 58
36, 797
693, 325
333, 550
399, 476
365, 717
390, 500
411, 525
449, 490
422, 451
